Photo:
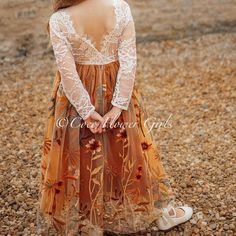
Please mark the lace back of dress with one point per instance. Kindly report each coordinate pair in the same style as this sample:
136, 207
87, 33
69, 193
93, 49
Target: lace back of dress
95, 25
95, 28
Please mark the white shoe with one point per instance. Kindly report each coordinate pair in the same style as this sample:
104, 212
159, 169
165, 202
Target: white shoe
167, 221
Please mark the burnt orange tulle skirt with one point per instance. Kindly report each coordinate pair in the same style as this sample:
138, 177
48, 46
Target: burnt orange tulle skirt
93, 184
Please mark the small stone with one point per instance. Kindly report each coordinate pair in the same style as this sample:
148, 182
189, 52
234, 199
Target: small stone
232, 226
203, 224
19, 198
193, 221
15, 207
226, 227
199, 215
213, 226
34, 174
196, 230
187, 232
20, 228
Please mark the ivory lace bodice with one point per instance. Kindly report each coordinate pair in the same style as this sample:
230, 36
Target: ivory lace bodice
73, 44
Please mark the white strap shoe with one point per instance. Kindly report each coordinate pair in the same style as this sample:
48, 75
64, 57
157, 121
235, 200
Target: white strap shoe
166, 221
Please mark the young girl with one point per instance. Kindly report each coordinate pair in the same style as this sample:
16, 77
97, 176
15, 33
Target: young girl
101, 171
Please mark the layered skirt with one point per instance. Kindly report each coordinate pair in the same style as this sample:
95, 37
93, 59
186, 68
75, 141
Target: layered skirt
92, 184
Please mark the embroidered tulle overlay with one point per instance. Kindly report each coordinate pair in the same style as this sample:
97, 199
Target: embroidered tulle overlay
92, 183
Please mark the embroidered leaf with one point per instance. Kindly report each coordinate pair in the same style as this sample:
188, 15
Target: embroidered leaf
139, 209
59, 221
130, 164
96, 170
71, 177
95, 181
96, 157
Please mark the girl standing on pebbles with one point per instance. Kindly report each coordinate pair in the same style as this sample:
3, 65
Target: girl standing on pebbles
99, 176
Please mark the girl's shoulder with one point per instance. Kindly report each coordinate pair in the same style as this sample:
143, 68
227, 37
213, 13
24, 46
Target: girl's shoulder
124, 11
55, 16
124, 7
60, 17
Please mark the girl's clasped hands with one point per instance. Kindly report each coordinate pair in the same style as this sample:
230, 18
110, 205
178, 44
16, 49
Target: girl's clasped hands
98, 124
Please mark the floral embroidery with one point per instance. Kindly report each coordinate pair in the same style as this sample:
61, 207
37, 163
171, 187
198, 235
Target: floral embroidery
94, 146
140, 168
122, 134
138, 176
139, 172
51, 185
46, 146
145, 146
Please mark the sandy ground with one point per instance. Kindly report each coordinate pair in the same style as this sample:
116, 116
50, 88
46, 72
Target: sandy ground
187, 73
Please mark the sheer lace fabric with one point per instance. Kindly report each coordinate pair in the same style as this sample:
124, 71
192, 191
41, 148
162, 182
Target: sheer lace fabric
72, 47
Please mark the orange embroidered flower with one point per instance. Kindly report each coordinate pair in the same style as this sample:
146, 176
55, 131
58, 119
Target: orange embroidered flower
57, 137
145, 146
122, 134
138, 115
140, 168
139, 172
138, 176
72, 155
46, 146
50, 185
57, 191
94, 145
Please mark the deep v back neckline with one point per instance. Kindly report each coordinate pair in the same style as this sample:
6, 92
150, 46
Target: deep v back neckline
88, 39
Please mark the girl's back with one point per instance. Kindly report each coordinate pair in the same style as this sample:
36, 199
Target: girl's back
93, 18
93, 29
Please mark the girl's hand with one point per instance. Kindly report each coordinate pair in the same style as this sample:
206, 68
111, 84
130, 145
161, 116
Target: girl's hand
94, 122
110, 117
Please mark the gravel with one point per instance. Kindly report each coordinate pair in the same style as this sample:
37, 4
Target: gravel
188, 83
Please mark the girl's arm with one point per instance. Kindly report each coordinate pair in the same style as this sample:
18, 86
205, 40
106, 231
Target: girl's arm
128, 60
72, 85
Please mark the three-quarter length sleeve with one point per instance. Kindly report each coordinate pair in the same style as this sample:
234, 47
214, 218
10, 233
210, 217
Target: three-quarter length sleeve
128, 61
71, 83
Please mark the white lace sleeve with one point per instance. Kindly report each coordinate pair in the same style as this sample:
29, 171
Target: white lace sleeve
127, 58
71, 83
